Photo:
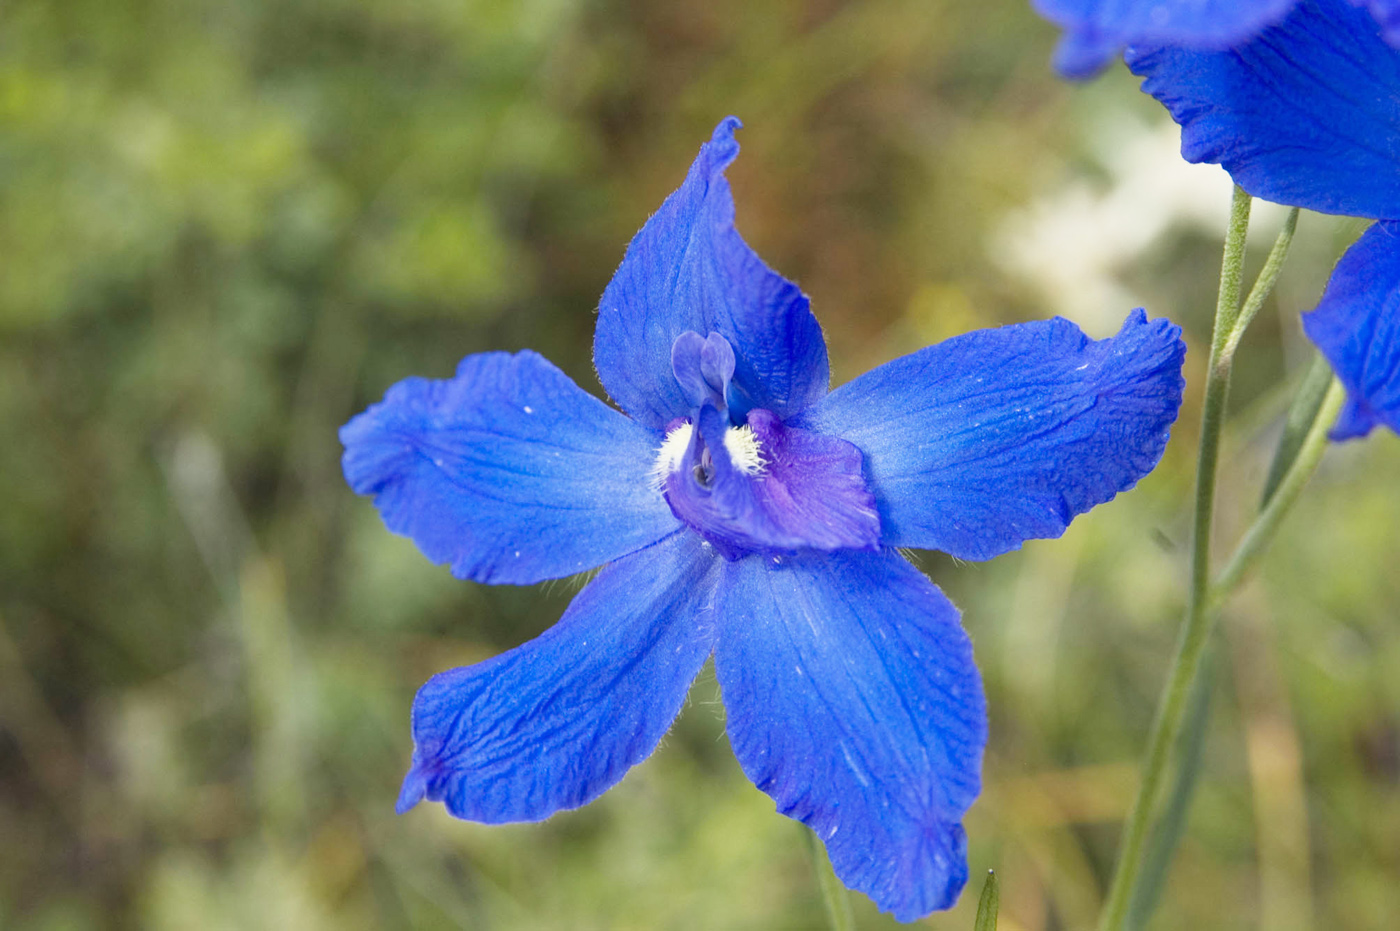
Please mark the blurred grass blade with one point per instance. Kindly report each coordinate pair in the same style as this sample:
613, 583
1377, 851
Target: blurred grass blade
1257, 538
1161, 846
1301, 415
989, 903
835, 899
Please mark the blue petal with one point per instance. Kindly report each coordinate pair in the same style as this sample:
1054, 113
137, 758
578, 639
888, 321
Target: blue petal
852, 699
1096, 29
509, 472
1354, 421
688, 269
556, 722
808, 493
703, 367
1307, 114
1387, 13
1357, 327
1003, 435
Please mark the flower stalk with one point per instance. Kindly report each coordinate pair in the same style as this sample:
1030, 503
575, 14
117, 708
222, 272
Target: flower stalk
1195, 633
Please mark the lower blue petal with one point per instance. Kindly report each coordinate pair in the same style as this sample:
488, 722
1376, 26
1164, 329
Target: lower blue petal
852, 699
1357, 327
557, 721
1306, 114
998, 436
509, 472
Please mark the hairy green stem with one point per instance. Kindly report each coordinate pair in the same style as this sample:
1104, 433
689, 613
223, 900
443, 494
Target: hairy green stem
1195, 631
1166, 832
835, 899
1257, 538
1263, 285
1300, 451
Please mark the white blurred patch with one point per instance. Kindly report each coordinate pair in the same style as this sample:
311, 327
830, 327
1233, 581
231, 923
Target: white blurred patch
1073, 244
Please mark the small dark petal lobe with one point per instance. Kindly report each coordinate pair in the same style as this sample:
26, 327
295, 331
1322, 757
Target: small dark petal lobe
1095, 30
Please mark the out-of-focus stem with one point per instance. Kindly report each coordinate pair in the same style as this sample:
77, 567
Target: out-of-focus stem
835, 899
1257, 538
1302, 413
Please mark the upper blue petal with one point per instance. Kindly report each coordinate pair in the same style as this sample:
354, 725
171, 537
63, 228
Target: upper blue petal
509, 472
1307, 114
1096, 29
1357, 327
688, 269
1002, 435
554, 723
852, 699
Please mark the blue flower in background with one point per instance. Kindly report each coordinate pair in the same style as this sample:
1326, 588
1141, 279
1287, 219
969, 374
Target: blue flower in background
740, 510
1357, 326
1096, 30
1308, 114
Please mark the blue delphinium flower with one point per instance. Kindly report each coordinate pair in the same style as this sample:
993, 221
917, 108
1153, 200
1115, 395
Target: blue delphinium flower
1308, 114
1096, 30
740, 510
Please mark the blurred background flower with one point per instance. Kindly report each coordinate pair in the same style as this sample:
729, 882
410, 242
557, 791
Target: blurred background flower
226, 227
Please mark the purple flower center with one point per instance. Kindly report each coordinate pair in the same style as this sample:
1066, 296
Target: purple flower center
746, 482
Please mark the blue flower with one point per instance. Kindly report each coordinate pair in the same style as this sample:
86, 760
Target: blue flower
1096, 30
1308, 114
740, 510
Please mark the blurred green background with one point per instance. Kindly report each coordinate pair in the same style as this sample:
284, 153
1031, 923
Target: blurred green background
225, 228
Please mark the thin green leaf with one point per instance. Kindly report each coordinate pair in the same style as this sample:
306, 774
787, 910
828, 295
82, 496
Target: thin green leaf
1161, 846
989, 903
1301, 415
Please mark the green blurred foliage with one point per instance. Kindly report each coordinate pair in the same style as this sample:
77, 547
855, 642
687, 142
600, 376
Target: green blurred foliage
224, 228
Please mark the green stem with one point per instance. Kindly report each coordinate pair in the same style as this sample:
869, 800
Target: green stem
1263, 285
834, 896
1257, 538
1195, 631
